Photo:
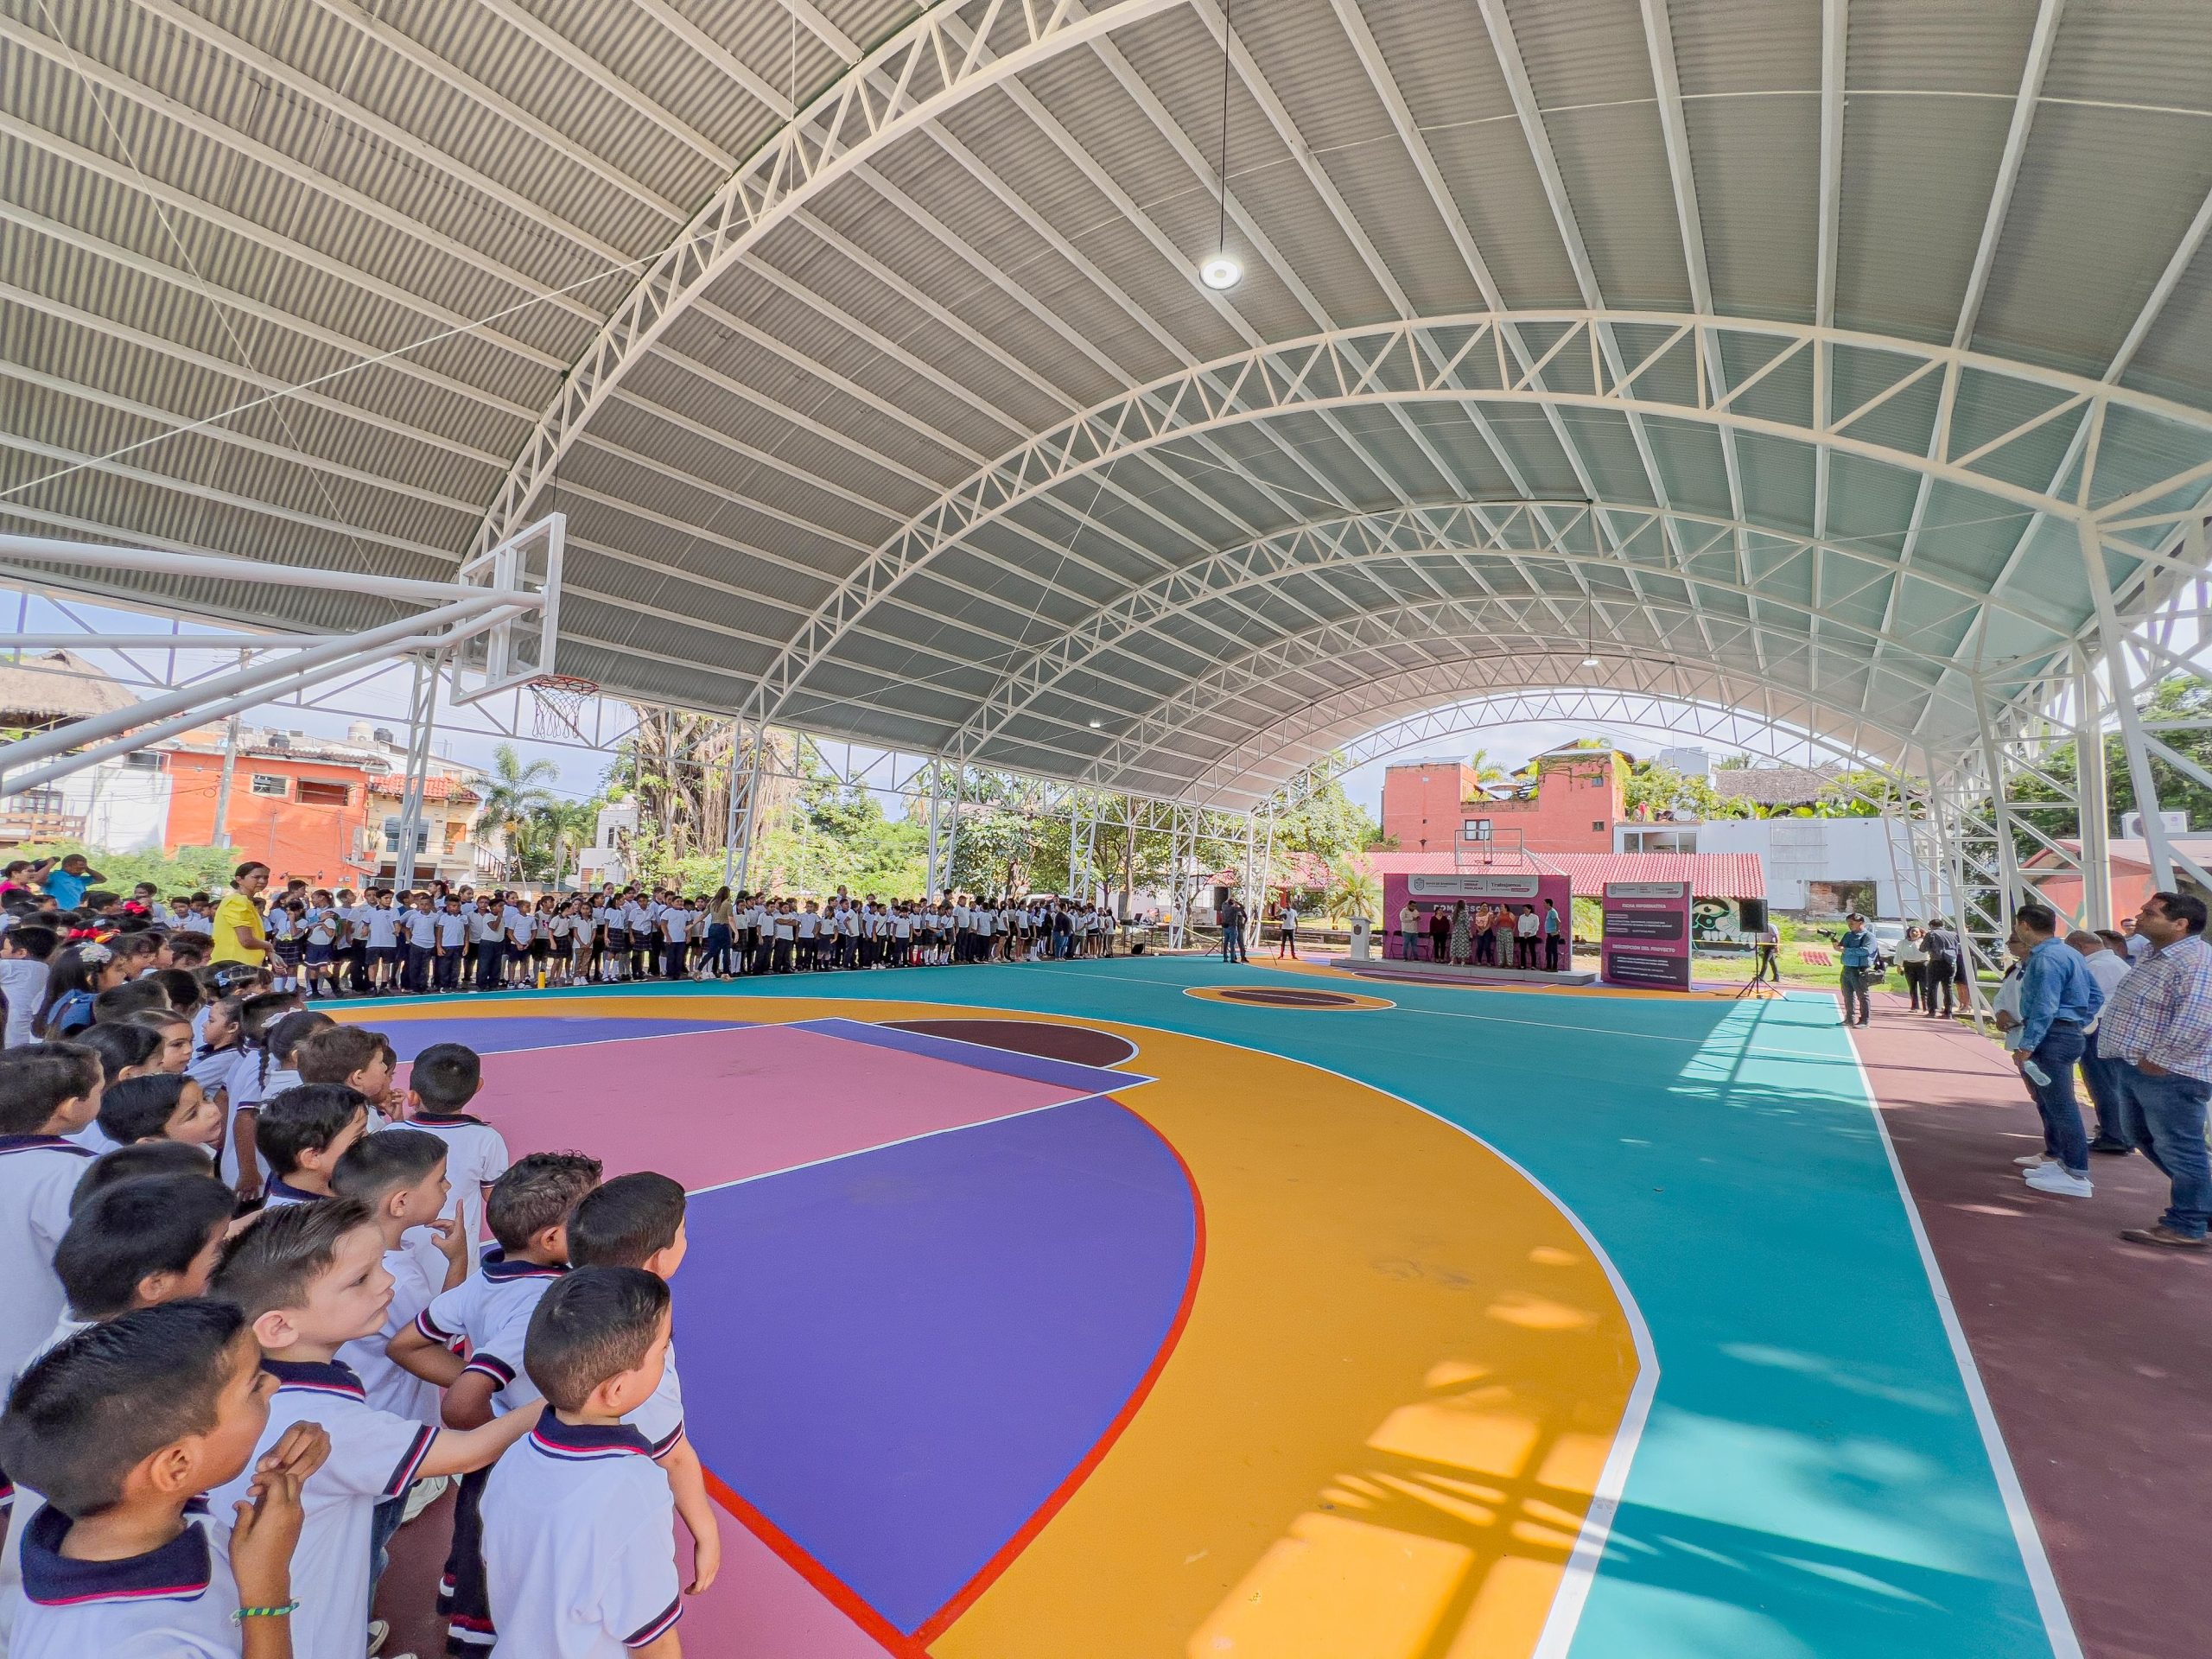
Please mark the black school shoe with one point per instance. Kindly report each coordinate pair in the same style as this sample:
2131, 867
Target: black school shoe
2113, 1149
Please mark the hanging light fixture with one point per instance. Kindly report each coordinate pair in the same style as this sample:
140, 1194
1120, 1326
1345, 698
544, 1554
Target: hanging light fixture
1222, 270
1589, 631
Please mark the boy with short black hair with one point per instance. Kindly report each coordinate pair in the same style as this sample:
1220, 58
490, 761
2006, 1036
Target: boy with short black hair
310, 1278
124, 1426
118, 1002
400, 1174
529, 1210
140, 1244
161, 1107
135, 1245
441, 1082
637, 1221
134, 1162
48, 1092
302, 1133
577, 1545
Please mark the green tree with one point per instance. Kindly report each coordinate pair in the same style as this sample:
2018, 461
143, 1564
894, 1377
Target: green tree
1329, 824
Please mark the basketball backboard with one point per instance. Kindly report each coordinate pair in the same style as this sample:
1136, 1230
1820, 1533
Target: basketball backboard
521, 649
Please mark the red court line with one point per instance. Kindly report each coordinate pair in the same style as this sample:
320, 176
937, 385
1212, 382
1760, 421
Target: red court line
947, 1616
833, 1589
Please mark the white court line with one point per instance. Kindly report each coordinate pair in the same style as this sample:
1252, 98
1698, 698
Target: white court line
1545, 1025
908, 1140
2058, 1624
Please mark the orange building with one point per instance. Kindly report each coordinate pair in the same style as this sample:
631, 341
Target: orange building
302, 812
1566, 801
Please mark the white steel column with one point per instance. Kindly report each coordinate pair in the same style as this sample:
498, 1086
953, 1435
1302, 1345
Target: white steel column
749, 822
2000, 815
422, 711
2093, 801
2121, 675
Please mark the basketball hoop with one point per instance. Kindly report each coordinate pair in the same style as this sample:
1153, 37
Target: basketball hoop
560, 699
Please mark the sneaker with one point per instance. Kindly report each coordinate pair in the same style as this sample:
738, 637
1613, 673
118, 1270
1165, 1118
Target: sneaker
2164, 1235
2034, 1160
2056, 1180
2113, 1148
378, 1630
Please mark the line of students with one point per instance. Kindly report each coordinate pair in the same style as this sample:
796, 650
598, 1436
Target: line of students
442, 938
221, 1414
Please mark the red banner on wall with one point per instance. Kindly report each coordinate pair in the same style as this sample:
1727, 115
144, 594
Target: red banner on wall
1648, 935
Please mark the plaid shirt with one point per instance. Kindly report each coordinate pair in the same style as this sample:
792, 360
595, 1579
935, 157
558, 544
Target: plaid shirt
2162, 1011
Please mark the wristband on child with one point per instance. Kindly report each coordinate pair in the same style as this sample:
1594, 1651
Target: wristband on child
244, 1613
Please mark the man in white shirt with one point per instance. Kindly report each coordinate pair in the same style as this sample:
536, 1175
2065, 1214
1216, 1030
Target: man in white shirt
2108, 963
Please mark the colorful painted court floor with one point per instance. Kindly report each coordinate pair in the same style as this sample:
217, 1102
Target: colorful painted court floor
1084, 1311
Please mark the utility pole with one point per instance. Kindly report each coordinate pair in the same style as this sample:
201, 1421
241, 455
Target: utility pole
230, 767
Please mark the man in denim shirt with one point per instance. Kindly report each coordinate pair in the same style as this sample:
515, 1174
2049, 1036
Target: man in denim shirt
2058, 1002
1858, 946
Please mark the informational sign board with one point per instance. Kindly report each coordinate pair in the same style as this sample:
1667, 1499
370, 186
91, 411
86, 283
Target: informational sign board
1647, 935
1430, 893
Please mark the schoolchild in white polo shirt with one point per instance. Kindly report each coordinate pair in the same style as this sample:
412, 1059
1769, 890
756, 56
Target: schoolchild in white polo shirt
675, 938
135, 1243
381, 933
48, 1092
441, 1082
304, 1132
452, 939
641, 926
420, 924
247, 1086
401, 1176
528, 1209
124, 1427
578, 1545
637, 1221
310, 1279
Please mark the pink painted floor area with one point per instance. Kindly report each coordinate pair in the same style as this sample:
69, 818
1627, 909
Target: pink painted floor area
729, 1105
758, 1607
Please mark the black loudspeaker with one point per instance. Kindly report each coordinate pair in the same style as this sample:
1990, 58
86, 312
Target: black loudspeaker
1220, 900
1751, 915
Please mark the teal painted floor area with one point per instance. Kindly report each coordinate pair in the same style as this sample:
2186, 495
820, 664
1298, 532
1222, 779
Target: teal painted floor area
1812, 1480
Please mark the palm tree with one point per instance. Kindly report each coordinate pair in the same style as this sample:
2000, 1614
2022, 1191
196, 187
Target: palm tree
1355, 891
512, 791
568, 826
1486, 770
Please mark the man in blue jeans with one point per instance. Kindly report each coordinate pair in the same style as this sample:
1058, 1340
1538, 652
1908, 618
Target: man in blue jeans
2159, 1031
2058, 1003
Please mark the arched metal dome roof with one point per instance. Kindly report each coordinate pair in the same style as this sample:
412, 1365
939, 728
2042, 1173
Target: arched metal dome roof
1848, 362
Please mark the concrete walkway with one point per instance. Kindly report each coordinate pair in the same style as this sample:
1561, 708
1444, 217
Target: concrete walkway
2097, 1354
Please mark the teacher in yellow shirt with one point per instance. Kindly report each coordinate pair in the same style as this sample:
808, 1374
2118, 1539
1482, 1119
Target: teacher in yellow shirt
239, 936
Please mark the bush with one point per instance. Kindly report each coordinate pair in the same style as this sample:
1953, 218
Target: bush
189, 869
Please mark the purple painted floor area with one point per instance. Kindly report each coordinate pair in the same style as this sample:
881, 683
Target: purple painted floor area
488, 1034
899, 1355
1013, 1063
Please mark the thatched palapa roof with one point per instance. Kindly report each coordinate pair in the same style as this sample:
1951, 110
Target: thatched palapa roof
57, 690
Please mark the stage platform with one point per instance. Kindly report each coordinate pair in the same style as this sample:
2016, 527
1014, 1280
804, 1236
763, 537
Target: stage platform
1444, 973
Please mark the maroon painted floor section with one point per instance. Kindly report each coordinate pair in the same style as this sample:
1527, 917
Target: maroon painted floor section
2097, 1354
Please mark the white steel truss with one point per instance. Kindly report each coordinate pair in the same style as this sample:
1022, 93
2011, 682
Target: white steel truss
928, 68
1200, 737
1601, 709
1946, 413
1699, 552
